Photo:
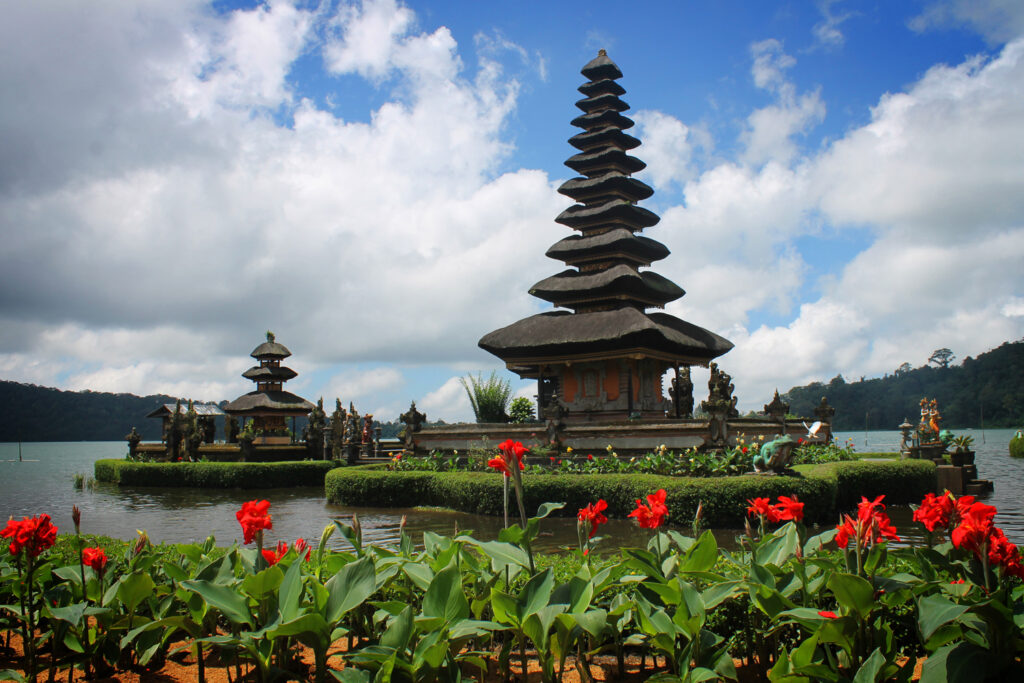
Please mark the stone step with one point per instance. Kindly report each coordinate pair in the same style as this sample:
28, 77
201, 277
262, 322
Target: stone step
978, 487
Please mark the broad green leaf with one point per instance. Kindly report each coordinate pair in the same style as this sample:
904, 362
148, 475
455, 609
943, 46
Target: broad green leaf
702, 555
228, 601
853, 592
593, 622
420, 574
399, 631
778, 547
506, 608
536, 592
503, 554
351, 586
263, 583
290, 595
960, 663
717, 593
935, 611
871, 668
444, 597
134, 588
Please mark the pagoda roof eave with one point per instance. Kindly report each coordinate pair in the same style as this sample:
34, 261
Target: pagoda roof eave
269, 403
560, 336
270, 349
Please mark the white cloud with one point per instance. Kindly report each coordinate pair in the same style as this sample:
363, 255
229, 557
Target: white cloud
448, 402
997, 20
668, 148
365, 383
770, 130
826, 32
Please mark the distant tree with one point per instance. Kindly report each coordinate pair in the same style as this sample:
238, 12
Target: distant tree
521, 410
941, 357
903, 369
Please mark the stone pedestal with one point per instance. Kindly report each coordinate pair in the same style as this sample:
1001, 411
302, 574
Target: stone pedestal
960, 480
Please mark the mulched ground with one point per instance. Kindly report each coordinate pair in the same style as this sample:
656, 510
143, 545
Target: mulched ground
182, 668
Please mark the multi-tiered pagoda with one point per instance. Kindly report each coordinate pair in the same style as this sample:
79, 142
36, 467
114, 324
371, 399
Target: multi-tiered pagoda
605, 356
270, 405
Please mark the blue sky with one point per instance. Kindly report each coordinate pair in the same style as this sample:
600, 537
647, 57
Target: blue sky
841, 185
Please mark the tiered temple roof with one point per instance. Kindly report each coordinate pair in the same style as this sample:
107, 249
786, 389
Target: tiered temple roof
269, 399
604, 288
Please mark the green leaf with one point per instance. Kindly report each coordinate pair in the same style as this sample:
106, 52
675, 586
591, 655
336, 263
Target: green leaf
444, 597
351, 586
871, 668
778, 547
935, 611
262, 583
134, 588
717, 593
960, 663
228, 601
536, 592
853, 592
399, 631
702, 555
593, 622
503, 554
506, 608
420, 574
290, 595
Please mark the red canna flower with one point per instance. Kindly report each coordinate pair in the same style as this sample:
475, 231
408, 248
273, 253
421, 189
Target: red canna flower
590, 456
95, 558
274, 556
254, 518
31, 534
827, 614
871, 526
301, 545
975, 526
593, 514
651, 516
935, 511
762, 507
509, 452
789, 508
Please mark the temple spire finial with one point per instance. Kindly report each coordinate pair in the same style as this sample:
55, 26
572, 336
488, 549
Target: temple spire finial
602, 53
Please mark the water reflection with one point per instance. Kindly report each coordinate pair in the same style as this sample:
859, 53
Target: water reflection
43, 483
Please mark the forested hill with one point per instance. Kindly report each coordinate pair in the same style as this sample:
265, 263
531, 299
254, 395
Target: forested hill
990, 386
33, 413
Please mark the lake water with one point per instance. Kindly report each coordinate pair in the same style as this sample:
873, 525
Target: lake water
43, 482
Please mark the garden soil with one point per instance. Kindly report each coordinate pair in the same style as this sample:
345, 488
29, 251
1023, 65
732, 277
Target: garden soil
182, 668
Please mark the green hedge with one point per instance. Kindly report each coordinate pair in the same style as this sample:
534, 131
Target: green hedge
824, 489
215, 475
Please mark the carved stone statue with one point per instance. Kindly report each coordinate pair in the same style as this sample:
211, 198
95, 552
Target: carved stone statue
353, 435
413, 419
681, 392
133, 438
339, 418
555, 412
778, 408
720, 406
315, 431
775, 456
824, 412
366, 446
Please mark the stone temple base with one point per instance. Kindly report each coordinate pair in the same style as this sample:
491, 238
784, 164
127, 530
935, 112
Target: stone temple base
625, 437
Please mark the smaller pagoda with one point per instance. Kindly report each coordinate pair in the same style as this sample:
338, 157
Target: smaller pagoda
270, 405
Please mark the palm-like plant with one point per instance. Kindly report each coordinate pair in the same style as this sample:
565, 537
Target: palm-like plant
489, 397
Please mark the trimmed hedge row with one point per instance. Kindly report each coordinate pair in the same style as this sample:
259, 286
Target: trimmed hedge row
824, 489
215, 475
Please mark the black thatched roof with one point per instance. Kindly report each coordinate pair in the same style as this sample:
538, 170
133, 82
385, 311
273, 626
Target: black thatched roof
607, 185
268, 374
619, 282
576, 249
560, 334
613, 212
600, 68
600, 137
260, 402
270, 349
